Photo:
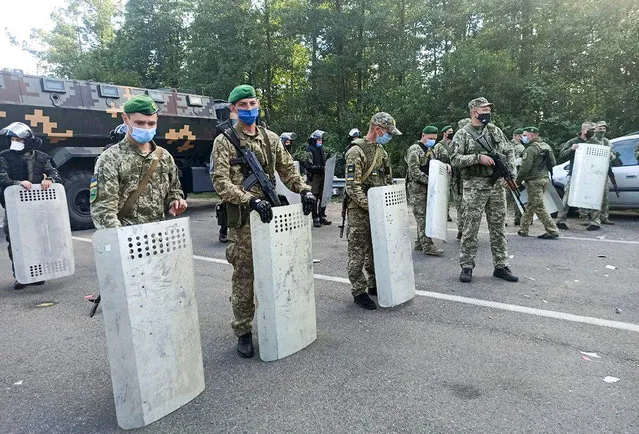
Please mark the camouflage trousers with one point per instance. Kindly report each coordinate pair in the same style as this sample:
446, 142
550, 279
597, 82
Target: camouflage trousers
417, 198
239, 253
360, 251
480, 196
587, 216
536, 189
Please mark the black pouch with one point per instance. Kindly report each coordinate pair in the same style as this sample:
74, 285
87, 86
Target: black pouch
220, 214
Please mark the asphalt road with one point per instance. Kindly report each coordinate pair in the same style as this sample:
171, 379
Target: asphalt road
431, 365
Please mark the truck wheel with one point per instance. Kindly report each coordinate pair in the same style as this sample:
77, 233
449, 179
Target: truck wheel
76, 185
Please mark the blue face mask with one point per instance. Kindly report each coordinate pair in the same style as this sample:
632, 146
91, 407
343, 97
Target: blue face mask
525, 139
318, 144
382, 140
248, 117
142, 135
430, 143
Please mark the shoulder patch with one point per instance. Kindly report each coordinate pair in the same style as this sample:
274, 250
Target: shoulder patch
93, 192
350, 172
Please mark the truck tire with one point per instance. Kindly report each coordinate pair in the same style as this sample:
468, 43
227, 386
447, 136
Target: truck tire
76, 184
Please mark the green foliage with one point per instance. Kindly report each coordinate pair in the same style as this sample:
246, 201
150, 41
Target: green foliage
331, 64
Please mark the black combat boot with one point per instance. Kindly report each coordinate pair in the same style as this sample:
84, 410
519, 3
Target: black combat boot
317, 223
562, 225
593, 227
506, 274
365, 301
466, 275
372, 291
459, 235
245, 345
323, 219
17, 285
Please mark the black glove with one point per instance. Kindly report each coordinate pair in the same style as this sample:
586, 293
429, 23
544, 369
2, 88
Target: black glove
308, 202
263, 208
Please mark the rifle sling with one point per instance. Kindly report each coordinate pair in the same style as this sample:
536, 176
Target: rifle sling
126, 209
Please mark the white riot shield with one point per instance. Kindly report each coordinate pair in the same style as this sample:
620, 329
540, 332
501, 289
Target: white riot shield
392, 249
589, 173
281, 189
150, 314
329, 173
40, 233
283, 282
437, 202
552, 201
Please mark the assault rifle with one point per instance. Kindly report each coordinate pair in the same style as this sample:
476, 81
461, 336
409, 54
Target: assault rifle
344, 211
500, 170
613, 180
254, 173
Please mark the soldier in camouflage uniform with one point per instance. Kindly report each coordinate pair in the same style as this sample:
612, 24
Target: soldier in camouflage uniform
589, 218
600, 134
538, 159
418, 158
479, 193
367, 166
443, 148
518, 148
227, 176
23, 164
120, 169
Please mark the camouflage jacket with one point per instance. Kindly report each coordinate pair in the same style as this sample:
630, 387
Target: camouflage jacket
519, 149
118, 173
360, 157
417, 157
228, 174
444, 150
466, 151
533, 166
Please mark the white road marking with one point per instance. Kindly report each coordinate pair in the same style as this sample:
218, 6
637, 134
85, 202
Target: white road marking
473, 301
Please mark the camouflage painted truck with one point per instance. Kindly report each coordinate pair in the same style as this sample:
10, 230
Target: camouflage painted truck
74, 119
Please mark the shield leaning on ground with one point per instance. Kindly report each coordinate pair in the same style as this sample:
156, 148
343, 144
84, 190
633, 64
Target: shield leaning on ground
589, 173
329, 173
552, 201
282, 190
437, 202
151, 321
392, 251
283, 282
40, 233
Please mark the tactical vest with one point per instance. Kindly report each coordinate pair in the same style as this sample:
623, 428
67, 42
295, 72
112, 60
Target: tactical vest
424, 159
479, 170
319, 156
377, 177
18, 166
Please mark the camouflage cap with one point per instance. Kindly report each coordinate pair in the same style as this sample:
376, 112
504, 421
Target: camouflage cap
385, 120
518, 131
601, 124
446, 128
478, 102
240, 92
141, 104
587, 125
531, 129
430, 129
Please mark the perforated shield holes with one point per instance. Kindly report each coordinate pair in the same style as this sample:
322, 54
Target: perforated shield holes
153, 243
395, 197
289, 221
40, 232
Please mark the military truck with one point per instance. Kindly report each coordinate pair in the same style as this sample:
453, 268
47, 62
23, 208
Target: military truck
74, 119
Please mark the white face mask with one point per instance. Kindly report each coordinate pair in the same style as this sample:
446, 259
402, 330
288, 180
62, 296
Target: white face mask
16, 146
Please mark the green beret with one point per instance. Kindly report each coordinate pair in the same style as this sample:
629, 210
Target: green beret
446, 128
430, 129
240, 92
533, 130
141, 104
519, 131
